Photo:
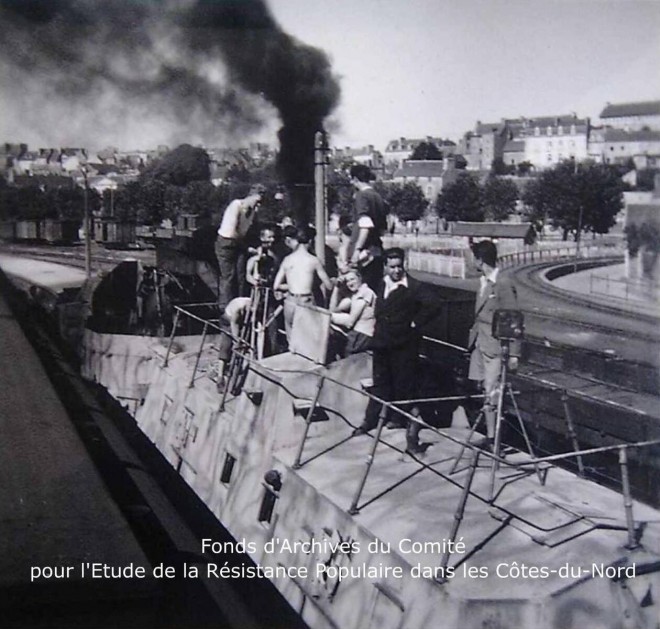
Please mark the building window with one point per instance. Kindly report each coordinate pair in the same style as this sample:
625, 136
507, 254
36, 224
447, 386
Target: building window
560, 130
227, 468
537, 131
548, 130
572, 129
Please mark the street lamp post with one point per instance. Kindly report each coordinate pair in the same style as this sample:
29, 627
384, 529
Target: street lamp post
578, 235
87, 223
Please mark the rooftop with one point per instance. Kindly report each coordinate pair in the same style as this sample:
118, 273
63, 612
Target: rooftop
421, 168
492, 230
619, 135
646, 108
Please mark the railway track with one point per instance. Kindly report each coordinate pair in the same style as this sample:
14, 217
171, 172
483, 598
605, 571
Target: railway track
634, 324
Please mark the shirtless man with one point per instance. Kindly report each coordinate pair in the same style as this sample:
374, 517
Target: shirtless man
297, 272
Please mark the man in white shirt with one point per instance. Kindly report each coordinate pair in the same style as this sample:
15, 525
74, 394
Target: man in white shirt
230, 244
403, 306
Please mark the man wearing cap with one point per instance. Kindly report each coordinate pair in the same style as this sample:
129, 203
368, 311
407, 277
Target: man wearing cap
230, 244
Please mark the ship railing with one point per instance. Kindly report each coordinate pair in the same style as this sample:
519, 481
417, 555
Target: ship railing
466, 486
207, 324
467, 491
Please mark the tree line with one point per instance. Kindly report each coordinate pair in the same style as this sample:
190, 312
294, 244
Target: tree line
569, 196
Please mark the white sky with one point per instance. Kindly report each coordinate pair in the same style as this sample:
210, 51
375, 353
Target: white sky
434, 67
412, 68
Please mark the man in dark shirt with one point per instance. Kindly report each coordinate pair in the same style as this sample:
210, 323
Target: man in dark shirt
369, 223
403, 306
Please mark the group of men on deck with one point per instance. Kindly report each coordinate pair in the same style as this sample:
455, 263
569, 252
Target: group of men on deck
375, 303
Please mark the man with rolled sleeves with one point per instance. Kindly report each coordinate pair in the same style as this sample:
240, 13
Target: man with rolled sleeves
230, 246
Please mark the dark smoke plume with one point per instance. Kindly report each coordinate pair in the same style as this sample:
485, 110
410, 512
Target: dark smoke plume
199, 62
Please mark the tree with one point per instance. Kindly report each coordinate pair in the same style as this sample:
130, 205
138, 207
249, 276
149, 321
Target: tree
601, 196
498, 167
340, 193
460, 163
646, 178
427, 150
406, 201
180, 166
576, 197
524, 168
461, 200
498, 198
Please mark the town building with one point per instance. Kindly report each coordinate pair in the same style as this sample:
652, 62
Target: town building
618, 146
481, 146
513, 152
366, 155
552, 139
401, 149
641, 116
430, 175
642, 225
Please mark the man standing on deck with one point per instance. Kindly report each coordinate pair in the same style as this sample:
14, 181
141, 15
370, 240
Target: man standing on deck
230, 244
365, 249
297, 272
403, 305
496, 292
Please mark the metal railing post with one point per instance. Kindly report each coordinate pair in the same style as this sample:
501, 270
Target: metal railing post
571, 431
199, 355
171, 341
627, 497
460, 510
353, 509
308, 421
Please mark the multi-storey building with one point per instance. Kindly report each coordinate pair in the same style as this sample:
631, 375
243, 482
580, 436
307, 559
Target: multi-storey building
481, 146
642, 116
401, 149
430, 175
366, 155
617, 146
552, 139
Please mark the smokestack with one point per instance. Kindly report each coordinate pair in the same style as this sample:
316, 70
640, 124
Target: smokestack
170, 57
